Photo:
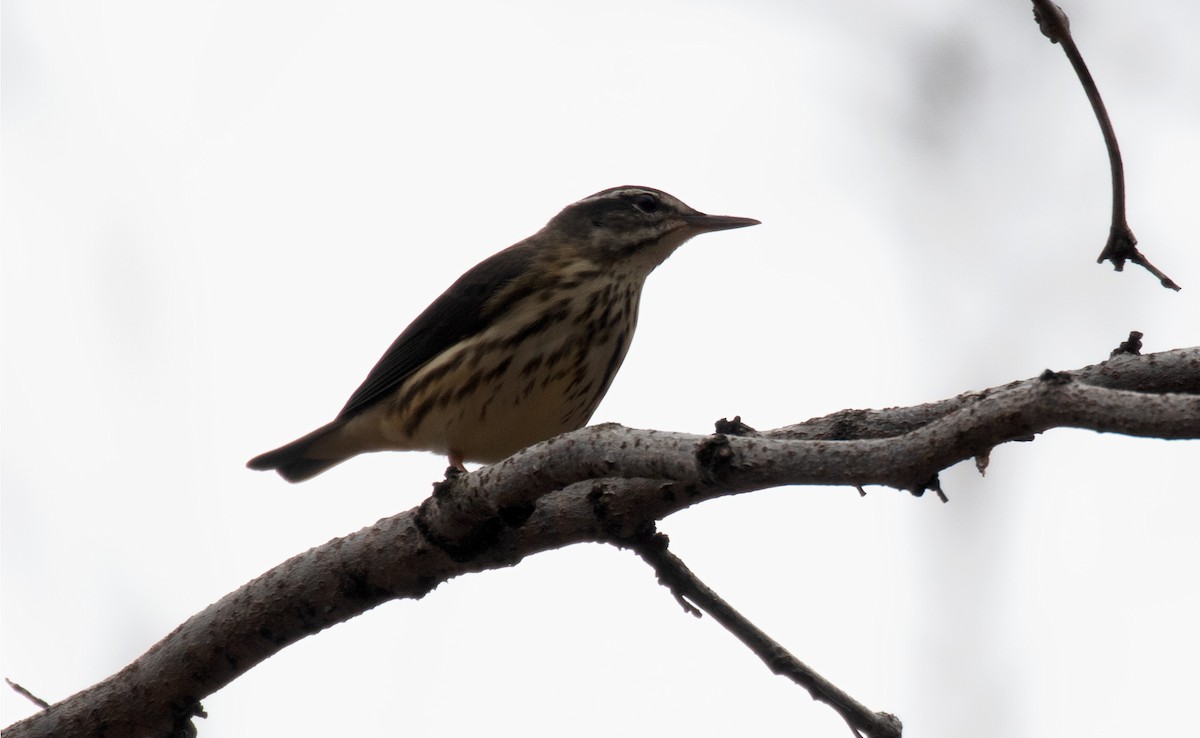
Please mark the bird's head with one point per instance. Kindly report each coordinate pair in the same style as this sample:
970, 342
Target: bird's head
633, 224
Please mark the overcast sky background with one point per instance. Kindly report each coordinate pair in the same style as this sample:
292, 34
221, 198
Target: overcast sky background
216, 216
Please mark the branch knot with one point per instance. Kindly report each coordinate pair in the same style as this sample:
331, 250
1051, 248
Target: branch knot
715, 458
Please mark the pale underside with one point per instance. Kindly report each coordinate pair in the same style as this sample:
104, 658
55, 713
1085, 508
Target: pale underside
488, 397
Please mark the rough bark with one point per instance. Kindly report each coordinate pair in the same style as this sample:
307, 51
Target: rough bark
604, 483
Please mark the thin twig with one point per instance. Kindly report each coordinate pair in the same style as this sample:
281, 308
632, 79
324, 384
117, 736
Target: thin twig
28, 695
1122, 244
685, 586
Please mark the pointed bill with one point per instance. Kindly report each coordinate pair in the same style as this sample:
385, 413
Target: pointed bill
702, 223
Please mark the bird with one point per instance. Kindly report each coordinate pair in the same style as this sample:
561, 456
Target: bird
522, 347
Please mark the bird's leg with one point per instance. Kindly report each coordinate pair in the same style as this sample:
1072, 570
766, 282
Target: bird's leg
456, 465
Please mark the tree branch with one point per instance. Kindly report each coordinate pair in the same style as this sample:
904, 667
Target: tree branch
1122, 244
602, 483
675, 575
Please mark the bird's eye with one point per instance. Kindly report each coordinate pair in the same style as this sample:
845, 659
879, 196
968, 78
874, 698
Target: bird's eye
645, 202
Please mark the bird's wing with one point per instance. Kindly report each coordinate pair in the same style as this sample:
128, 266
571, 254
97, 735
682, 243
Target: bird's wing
457, 314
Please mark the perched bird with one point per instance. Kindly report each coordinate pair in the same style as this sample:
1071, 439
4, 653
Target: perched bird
521, 348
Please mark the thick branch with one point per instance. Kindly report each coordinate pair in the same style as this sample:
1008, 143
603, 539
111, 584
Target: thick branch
599, 484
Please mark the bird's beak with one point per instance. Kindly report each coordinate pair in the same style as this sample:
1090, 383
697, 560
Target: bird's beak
702, 223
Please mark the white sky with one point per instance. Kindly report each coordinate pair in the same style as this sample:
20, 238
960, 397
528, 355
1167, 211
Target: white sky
217, 215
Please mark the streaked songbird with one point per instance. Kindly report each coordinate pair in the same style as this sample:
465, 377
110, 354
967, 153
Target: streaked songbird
521, 348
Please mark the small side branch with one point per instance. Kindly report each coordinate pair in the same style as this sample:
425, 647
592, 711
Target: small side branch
687, 587
1122, 244
27, 694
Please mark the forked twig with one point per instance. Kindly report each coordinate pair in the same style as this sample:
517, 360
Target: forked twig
1122, 244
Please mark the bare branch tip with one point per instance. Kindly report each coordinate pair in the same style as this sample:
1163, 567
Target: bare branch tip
734, 427
890, 724
981, 462
1131, 345
935, 484
937, 487
1052, 21
1140, 259
1122, 247
688, 607
27, 694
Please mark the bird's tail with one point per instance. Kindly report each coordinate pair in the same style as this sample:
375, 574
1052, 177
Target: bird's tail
303, 458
